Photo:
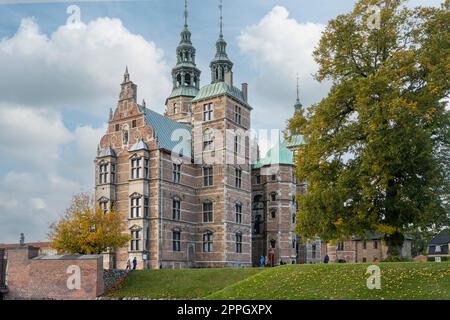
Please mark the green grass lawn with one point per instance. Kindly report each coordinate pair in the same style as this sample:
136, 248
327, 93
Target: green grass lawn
180, 283
399, 281
292, 282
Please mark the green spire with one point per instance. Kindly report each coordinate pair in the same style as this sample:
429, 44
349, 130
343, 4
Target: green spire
186, 74
298, 105
221, 64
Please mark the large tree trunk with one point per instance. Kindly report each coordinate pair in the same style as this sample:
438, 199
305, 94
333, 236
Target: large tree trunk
394, 242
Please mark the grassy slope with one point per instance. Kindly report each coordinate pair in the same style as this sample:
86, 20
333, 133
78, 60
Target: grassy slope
180, 284
343, 281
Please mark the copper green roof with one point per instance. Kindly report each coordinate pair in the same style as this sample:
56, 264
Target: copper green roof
279, 154
164, 129
184, 91
218, 89
295, 141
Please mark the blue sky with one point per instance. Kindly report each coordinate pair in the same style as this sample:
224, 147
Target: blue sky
58, 84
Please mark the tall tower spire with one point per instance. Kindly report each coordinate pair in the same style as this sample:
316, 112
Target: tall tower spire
185, 13
221, 64
298, 105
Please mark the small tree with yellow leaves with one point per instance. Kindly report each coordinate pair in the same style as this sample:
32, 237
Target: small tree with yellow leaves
86, 229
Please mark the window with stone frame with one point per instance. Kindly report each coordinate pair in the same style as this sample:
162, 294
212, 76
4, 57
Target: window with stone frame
176, 172
294, 217
238, 115
238, 178
237, 144
112, 173
146, 168
208, 242
208, 112
135, 240
258, 179
208, 214
273, 213
238, 242
364, 244
313, 251
175, 108
176, 240
437, 249
176, 209
135, 168
208, 140
340, 246
103, 173
375, 244
135, 206
273, 196
103, 204
238, 212
146, 207
208, 176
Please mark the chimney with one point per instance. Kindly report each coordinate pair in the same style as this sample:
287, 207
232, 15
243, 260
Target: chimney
229, 78
245, 91
22, 240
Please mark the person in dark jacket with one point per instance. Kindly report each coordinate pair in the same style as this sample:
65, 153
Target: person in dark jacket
326, 259
134, 263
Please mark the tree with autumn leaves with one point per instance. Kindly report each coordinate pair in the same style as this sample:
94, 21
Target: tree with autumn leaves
376, 157
86, 229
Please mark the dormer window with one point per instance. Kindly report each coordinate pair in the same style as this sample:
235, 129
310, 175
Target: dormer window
135, 168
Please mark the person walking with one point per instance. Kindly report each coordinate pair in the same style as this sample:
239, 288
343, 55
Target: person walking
262, 261
134, 263
128, 264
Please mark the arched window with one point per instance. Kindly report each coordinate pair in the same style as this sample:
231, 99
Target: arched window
273, 243
273, 213
273, 196
178, 80
187, 79
175, 108
208, 241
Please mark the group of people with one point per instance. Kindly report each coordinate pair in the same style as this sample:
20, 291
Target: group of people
129, 264
265, 261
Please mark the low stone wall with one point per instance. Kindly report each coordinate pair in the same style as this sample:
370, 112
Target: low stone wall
113, 279
53, 277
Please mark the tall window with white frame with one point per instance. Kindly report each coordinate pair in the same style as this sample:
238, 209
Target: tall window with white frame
135, 168
103, 173
208, 212
135, 207
238, 176
208, 140
135, 240
237, 144
208, 242
207, 176
208, 112
176, 172
238, 211
238, 242
176, 240
176, 209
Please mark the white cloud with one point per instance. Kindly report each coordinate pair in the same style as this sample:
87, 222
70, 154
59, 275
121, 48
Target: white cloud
79, 68
279, 47
31, 138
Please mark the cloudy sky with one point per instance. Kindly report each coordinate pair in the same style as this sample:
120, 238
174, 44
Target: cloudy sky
58, 82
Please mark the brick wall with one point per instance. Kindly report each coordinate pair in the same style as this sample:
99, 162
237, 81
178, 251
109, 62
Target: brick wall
37, 277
